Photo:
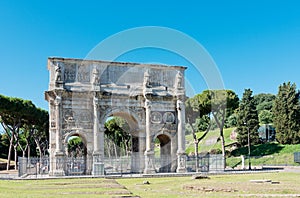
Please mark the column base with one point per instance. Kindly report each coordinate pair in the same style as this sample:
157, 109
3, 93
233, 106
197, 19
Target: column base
59, 164
98, 165
181, 160
149, 163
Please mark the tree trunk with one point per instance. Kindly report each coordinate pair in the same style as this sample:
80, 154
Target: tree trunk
38, 145
11, 140
223, 147
196, 156
16, 156
221, 126
9, 152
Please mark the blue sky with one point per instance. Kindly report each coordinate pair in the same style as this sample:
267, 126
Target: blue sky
255, 44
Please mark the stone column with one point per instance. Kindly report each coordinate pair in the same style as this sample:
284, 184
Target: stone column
101, 140
142, 149
149, 154
174, 148
181, 157
97, 159
147, 124
96, 125
59, 154
57, 103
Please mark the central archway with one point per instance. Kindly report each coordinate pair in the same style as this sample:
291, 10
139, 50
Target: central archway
123, 160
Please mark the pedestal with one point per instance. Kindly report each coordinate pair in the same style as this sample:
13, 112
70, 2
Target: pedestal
98, 164
59, 164
149, 163
181, 159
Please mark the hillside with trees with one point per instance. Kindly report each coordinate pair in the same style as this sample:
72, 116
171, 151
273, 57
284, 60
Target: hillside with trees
204, 115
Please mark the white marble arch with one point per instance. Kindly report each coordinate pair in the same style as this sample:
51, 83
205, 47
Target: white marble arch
82, 94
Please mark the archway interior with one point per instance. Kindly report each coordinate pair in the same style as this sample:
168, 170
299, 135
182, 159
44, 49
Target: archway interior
77, 155
118, 140
76, 146
163, 153
121, 143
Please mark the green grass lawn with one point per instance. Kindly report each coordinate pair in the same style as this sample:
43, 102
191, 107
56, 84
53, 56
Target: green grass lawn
266, 154
216, 186
62, 188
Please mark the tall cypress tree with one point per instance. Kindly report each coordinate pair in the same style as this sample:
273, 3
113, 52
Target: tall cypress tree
286, 110
247, 119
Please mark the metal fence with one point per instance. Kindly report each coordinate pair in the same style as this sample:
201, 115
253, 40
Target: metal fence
207, 163
111, 166
33, 166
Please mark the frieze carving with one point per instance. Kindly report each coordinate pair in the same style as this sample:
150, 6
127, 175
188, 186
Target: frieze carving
70, 73
83, 74
155, 77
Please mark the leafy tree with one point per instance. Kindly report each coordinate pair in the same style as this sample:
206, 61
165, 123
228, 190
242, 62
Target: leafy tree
117, 131
264, 104
195, 113
222, 102
202, 123
15, 115
231, 121
265, 117
247, 120
264, 101
286, 112
218, 103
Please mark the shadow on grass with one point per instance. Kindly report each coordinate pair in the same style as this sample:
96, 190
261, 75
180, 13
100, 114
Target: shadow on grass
258, 150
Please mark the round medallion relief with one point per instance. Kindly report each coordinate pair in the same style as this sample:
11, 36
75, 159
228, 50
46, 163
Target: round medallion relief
169, 117
156, 117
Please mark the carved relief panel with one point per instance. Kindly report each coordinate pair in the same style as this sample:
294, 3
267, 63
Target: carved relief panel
163, 117
83, 73
74, 118
70, 72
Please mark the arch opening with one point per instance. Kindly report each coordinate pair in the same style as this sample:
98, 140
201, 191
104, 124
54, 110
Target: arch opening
121, 144
163, 153
76, 155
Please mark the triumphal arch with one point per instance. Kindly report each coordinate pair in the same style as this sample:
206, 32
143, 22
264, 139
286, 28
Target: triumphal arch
83, 94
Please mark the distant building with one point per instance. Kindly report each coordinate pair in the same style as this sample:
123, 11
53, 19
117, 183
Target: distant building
267, 133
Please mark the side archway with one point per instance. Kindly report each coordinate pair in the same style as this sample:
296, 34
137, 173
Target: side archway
163, 154
75, 145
